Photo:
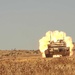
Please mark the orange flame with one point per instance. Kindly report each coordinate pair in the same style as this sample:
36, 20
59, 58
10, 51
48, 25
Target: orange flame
54, 36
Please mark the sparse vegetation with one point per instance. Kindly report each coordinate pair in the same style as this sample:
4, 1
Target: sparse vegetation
30, 62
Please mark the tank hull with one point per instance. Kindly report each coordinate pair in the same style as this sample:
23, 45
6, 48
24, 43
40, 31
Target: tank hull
58, 48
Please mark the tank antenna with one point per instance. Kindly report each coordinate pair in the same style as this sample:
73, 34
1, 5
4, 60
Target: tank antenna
63, 36
50, 36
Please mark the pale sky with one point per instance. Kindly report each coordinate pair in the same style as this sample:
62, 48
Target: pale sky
24, 22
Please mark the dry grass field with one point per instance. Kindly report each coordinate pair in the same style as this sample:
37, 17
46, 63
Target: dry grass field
30, 62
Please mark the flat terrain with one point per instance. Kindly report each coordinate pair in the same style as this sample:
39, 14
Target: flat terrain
30, 62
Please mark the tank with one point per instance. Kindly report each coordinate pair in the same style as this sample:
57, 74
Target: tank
57, 48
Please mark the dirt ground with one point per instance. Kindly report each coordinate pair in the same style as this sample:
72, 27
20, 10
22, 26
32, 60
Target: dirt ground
30, 62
